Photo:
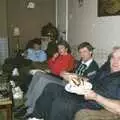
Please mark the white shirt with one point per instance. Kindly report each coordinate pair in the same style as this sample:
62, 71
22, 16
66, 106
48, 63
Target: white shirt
87, 63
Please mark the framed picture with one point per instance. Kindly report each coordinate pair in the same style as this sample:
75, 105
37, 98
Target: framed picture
108, 7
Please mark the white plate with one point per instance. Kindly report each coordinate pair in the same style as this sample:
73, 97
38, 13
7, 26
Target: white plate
80, 90
32, 72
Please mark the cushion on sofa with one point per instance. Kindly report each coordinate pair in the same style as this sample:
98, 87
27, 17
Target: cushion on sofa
87, 114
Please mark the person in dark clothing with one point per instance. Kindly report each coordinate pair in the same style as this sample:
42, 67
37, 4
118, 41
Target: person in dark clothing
51, 32
106, 65
61, 105
51, 48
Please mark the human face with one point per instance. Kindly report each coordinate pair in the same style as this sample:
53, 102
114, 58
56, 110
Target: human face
115, 61
36, 47
62, 50
85, 54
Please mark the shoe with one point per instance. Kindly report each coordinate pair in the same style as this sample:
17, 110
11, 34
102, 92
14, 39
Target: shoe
28, 116
35, 118
32, 115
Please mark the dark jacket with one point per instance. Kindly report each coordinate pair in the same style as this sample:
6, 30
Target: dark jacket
107, 84
90, 72
51, 48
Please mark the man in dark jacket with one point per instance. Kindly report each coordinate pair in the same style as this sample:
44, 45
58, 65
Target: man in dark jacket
87, 66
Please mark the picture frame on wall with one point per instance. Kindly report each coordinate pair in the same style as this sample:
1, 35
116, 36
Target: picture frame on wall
108, 8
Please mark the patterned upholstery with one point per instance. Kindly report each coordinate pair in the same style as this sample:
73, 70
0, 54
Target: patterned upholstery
95, 115
74, 50
100, 56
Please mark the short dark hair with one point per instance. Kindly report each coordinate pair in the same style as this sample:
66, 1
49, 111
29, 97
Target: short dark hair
87, 45
65, 44
32, 42
36, 41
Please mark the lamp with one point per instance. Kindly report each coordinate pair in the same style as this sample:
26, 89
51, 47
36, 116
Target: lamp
16, 31
31, 5
16, 35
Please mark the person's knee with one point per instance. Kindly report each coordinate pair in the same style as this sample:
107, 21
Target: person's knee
53, 87
60, 109
60, 104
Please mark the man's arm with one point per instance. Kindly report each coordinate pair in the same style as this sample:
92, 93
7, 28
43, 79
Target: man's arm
68, 76
109, 104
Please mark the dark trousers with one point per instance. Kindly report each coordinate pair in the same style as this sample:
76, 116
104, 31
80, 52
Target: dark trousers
61, 105
44, 102
65, 109
26, 82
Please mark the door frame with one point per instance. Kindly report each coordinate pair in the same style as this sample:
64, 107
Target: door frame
66, 18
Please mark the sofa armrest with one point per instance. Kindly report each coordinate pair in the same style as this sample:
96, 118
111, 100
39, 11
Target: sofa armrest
38, 65
103, 114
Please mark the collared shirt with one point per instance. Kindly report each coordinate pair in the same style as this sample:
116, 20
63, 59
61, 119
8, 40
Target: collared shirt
36, 55
83, 67
87, 63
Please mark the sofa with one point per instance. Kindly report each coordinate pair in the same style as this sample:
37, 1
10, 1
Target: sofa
103, 114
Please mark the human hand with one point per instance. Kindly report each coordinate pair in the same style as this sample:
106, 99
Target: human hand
90, 95
68, 76
55, 56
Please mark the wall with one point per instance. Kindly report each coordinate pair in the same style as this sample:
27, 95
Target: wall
3, 32
84, 25
3, 20
29, 21
61, 13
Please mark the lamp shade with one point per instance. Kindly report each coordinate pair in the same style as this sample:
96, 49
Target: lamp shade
31, 5
16, 31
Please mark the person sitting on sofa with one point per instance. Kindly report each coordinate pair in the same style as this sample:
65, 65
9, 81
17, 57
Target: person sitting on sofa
62, 60
62, 105
87, 66
52, 47
35, 53
37, 57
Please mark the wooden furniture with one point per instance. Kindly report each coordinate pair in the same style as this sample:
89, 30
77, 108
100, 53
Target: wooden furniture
6, 106
5, 97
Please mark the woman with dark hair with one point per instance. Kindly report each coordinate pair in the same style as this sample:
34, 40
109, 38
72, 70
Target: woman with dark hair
62, 60
65, 44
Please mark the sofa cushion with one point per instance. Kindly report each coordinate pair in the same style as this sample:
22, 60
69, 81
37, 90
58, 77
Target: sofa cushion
87, 114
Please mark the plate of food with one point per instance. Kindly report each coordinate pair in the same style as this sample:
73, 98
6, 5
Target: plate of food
33, 71
80, 87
